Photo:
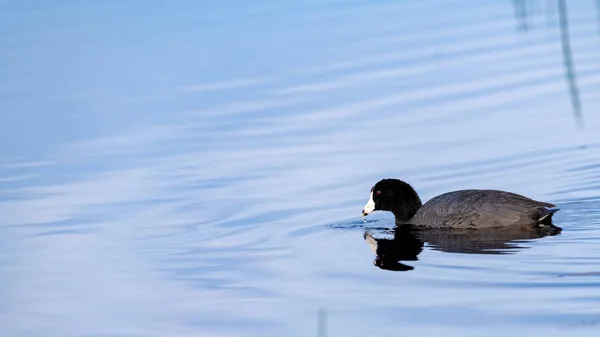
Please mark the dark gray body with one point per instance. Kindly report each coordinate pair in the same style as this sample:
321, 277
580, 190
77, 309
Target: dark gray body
482, 209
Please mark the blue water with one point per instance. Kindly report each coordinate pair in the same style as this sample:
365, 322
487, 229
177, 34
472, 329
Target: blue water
198, 168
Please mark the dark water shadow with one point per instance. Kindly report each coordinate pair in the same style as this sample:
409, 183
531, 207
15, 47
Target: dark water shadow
408, 241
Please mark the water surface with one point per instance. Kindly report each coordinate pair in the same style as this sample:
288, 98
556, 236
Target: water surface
196, 169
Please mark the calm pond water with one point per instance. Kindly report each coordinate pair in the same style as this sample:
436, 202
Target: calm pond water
198, 169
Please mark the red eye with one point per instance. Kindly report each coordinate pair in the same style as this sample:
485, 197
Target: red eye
378, 193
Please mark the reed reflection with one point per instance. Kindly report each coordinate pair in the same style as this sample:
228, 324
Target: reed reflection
521, 17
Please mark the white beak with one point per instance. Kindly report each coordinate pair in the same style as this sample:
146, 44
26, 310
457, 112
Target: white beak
370, 206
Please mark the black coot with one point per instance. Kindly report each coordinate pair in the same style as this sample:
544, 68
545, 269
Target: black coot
458, 209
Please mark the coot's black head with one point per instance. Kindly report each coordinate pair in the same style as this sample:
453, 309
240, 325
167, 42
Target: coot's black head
394, 196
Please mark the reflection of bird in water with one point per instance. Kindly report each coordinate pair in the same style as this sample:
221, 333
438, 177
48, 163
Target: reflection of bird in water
408, 241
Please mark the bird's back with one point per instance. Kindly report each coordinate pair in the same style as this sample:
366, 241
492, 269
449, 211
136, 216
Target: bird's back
481, 209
